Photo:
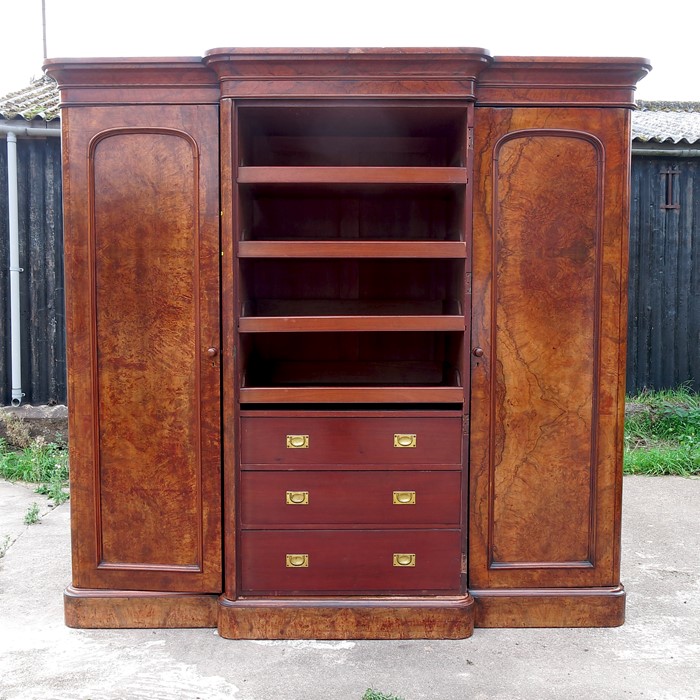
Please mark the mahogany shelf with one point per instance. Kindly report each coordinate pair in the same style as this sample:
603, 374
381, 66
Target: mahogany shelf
346, 394
352, 249
341, 175
291, 324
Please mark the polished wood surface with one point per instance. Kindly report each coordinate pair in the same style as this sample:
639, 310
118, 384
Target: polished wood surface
434, 617
145, 473
352, 499
364, 438
545, 458
428, 228
352, 249
549, 607
350, 561
105, 609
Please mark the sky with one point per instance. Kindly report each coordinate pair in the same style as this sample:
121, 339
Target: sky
83, 28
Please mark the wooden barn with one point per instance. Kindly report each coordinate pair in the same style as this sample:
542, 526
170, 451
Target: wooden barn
664, 285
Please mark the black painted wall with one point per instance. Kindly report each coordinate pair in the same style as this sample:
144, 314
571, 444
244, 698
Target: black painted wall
664, 286
41, 283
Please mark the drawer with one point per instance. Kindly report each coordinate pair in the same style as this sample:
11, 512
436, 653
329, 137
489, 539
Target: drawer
338, 561
375, 438
394, 498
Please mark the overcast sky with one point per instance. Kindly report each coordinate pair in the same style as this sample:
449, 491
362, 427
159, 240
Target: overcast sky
653, 30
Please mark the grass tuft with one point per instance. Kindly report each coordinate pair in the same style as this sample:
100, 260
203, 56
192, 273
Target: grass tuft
32, 517
376, 695
41, 462
662, 433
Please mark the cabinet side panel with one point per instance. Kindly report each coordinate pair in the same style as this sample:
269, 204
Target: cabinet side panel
145, 201
546, 221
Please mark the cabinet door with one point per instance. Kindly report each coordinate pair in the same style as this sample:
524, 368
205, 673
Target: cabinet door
142, 261
549, 283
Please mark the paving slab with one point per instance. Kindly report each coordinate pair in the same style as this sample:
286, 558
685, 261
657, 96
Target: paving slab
655, 655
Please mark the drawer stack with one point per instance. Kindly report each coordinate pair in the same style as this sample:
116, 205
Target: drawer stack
352, 502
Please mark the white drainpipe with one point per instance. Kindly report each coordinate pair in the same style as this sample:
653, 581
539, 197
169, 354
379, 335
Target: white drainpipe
15, 269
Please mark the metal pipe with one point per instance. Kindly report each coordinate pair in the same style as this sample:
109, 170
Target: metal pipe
13, 206
677, 152
28, 130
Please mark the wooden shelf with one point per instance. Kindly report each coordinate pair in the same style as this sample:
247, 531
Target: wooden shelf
351, 175
295, 324
378, 394
352, 249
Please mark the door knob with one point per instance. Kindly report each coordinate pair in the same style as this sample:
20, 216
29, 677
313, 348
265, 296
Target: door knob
212, 352
478, 352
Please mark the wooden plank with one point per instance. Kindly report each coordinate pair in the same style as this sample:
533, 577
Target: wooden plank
352, 249
388, 394
434, 617
295, 324
351, 175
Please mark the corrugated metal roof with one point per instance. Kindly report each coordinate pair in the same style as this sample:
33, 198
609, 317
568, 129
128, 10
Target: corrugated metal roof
38, 101
665, 122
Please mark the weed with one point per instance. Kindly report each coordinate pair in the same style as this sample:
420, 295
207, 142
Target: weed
55, 490
662, 433
41, 463
32, 517
376, 695
5, 545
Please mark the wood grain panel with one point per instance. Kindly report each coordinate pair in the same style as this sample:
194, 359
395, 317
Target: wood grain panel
142, 302
550, 607
548, 286
546, 220
105, 609
146, 335
434, 617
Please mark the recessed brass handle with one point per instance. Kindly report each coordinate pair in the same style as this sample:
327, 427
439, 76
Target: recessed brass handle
404, 559
404, 440
297, 442
296, 561
297, 498
404, 498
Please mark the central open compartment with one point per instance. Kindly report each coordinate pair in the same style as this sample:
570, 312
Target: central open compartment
336, 134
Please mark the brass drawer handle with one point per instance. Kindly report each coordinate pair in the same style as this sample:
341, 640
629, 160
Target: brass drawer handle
404, 559
297, 561
404, 498
297, 442
404, 440
297, 498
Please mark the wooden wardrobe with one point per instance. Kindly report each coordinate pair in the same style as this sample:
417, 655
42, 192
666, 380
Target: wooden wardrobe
346, 340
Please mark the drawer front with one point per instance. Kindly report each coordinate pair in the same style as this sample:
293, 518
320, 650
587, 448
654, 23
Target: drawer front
350, 561
349, 498
336, 440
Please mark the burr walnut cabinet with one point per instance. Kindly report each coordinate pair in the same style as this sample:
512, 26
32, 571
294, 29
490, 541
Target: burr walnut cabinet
346, 340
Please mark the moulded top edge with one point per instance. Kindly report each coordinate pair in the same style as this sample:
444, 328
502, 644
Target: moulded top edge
576, 60
369, 51
90, 62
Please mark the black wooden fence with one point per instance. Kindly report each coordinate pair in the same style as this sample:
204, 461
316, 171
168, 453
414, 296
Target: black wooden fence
664, 302
41, 283
664, 289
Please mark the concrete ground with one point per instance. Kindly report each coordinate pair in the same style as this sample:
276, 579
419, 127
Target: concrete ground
656, 654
